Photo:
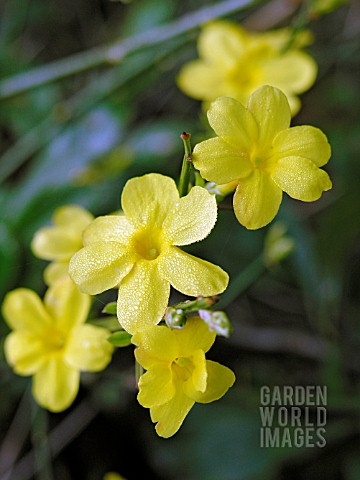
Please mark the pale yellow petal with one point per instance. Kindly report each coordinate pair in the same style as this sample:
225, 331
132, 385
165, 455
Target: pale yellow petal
100, 266
191, 275
201, 81
304, 141
55, 271
155, 344
256, 200
221, 43
148, 198
111, 228
233, 123
88, 348
56, 384
72, 216
66, 304
219, 380
193, 217
301, 178
294, 71
171, 415
272, 113
143, 297
56, 243
196, 335
24, 352
219, 162
198, 380
23, 310
156, 386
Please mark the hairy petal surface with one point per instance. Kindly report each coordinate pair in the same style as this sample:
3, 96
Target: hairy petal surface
110, 228
143, 297
220, 162
303, 141
301, 178
55, 384
152, 191
233, 123
88, 348
256, 200
191, 275
193, 217
271, 110
100, 266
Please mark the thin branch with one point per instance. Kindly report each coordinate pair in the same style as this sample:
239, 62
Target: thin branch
116, 52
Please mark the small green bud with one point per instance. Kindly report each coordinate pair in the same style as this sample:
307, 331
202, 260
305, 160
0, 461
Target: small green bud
175, 317
120, 339
217, 322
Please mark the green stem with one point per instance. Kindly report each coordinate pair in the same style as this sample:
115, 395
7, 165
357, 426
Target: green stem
243, 281
186, 167
116, 52
41, 444
138, 371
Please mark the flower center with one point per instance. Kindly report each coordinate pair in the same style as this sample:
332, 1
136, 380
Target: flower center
183, 367
54, 340
148, 243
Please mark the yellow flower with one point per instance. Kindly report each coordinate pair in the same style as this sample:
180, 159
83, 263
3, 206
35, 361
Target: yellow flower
234, 63
139, 251
256, 147
178, 374
59, 242
50, 341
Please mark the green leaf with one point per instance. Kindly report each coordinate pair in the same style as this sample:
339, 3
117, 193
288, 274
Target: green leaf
110, 308
120, 339
111, 323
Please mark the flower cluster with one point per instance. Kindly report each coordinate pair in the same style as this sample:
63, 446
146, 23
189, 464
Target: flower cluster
235, 62
138, 252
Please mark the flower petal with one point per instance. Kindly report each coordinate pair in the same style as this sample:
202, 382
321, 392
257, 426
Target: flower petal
155, 344
54, 271
219, 162
233, 123
194, 336
197, 381
201, 81
56, 243
191, 275
171, 415
56, 384
23, 310
271, 110
305, 141
110, 228
24, 352
294, 71
256, 200
100, 266
88, 348
151, 195
143, 297
72, 216
219, 380
156, 386
301, 178
66, 304
193, 217
222, 43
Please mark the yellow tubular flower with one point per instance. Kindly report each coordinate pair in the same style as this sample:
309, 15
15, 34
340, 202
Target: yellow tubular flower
139, 251
59, 242
256, 147
50, 341
234, 63
178, 374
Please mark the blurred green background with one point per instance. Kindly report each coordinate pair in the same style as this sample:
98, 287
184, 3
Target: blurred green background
77, 139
